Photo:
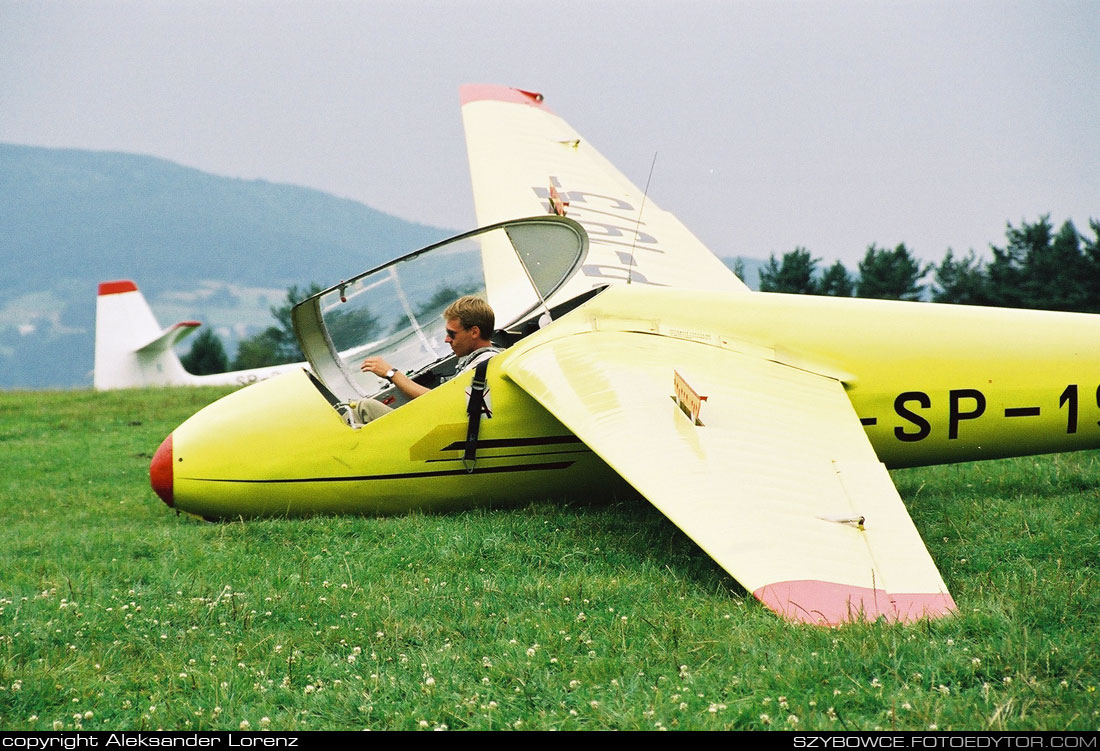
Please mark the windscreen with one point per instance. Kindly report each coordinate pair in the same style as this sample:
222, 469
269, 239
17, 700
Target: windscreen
396, 311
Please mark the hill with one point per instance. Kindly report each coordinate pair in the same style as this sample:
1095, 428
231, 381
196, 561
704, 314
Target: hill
200, 246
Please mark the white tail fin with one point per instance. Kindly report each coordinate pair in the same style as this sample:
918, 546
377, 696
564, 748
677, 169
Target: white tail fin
132, 350
130, 347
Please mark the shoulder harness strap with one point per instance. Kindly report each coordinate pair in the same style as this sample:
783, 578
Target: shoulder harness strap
474, 408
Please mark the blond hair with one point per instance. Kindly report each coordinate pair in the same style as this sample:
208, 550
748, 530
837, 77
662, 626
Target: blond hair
472, 311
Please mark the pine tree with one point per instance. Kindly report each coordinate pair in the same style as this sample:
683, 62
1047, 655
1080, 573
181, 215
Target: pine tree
795, 274
836, 281
207, 355
962, 281
890, 274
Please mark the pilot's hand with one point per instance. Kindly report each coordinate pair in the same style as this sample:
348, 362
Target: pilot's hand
375, 365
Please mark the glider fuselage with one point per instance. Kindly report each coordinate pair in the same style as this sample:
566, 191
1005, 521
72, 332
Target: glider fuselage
930, 384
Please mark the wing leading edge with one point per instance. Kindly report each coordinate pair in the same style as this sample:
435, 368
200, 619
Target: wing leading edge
772, 485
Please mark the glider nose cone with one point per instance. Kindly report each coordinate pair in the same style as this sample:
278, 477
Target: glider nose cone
160, 471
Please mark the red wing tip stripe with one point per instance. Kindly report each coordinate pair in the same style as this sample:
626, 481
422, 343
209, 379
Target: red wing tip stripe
187, 324
474, 92
115, 287
830, 604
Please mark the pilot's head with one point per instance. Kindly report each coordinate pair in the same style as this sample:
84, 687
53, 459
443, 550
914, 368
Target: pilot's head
470, 323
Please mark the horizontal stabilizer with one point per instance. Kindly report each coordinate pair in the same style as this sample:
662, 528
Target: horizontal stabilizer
168, 338
775, 479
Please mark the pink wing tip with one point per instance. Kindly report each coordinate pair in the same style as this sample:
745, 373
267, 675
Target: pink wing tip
474, 92
115, 287
830, 604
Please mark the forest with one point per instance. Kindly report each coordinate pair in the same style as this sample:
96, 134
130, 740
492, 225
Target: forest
1037, 267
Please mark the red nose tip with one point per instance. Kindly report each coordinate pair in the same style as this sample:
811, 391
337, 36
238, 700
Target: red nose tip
160, 471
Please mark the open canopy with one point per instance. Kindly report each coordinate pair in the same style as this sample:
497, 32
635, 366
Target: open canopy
395, 311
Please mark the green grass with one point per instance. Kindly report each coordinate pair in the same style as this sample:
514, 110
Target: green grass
117, 614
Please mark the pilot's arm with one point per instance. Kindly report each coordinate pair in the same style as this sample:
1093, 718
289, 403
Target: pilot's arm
383, 369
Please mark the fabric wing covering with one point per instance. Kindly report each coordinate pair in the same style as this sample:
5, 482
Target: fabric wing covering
772, 485
519, 151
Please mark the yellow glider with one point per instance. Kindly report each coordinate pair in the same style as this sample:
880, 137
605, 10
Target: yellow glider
761, 424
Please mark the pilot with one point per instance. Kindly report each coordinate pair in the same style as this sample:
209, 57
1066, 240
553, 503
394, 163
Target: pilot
470, 323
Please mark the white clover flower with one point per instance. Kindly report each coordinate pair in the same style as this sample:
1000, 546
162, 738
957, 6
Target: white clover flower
245, 724
766, 719
792, 719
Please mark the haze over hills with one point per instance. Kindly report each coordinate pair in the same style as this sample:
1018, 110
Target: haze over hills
201, 247
214, 249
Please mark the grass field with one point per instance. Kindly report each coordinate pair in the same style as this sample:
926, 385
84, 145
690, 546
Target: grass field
117, 614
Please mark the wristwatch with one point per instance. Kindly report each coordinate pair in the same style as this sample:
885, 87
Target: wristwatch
390, 374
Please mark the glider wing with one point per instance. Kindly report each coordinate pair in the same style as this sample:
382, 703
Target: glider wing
525, 160
779, 483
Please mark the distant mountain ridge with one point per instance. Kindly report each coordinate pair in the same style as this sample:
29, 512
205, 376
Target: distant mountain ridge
70, 219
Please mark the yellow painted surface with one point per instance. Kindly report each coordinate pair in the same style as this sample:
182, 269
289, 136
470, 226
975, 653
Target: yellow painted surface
278, 448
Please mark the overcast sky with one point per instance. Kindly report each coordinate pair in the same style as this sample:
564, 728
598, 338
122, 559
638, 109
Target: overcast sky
829, 125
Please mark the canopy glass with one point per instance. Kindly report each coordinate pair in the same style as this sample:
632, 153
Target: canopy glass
395, 311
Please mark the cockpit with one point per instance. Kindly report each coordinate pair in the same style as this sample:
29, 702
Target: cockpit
395, 311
